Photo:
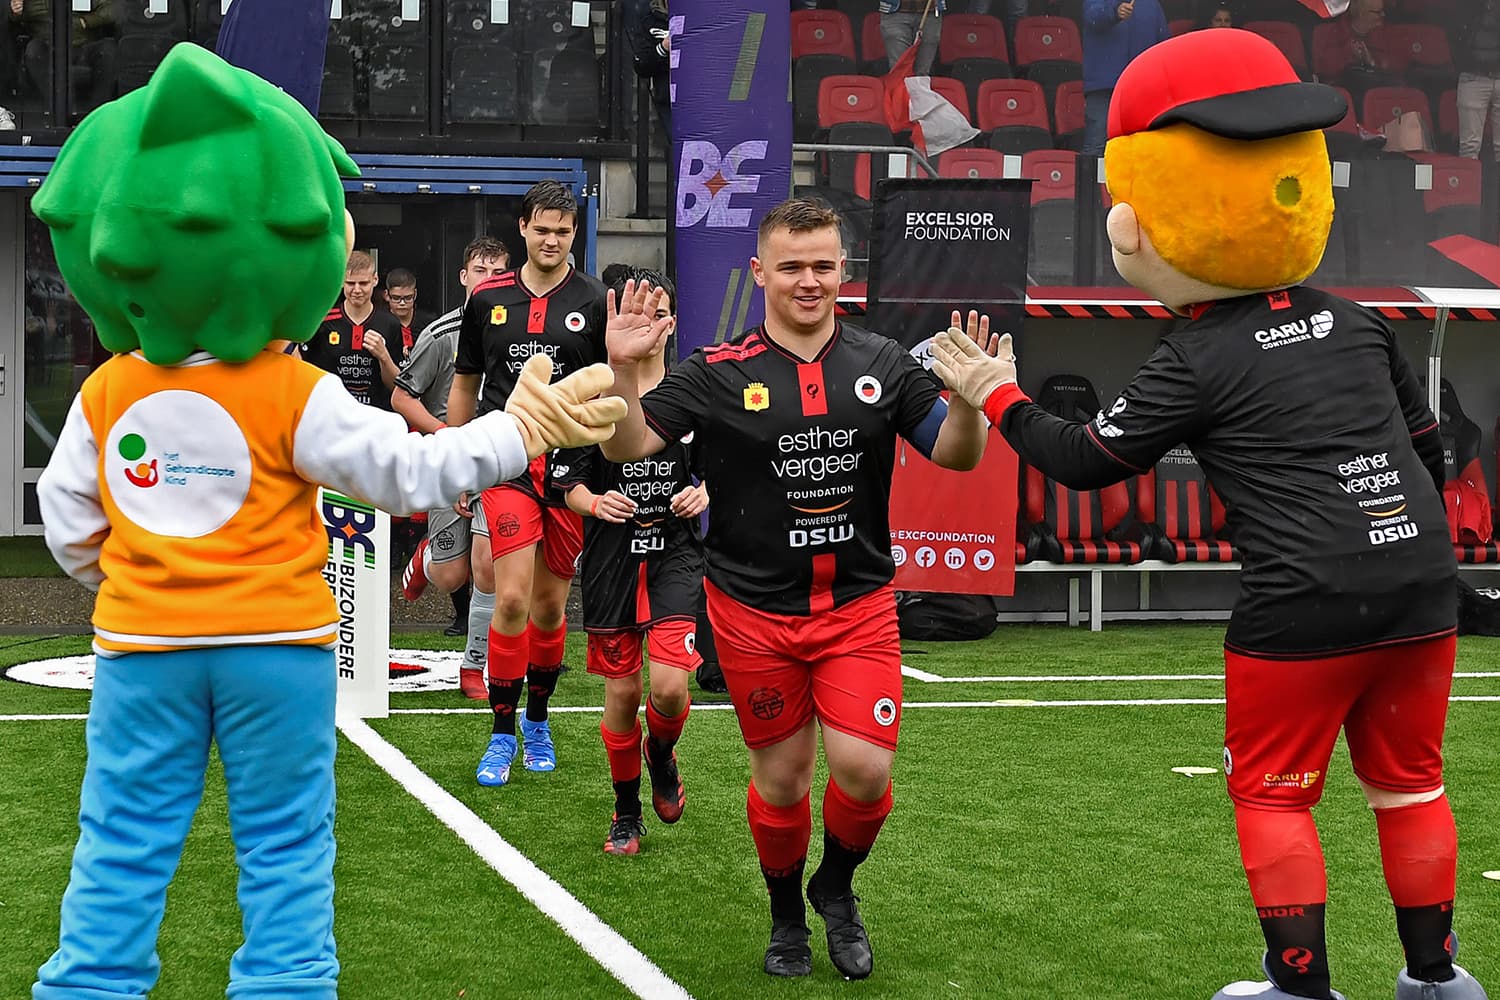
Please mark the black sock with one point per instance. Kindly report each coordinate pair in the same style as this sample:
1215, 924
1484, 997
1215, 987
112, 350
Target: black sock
786, 894
1424, 934
835, 874
628, 797
1296, 950
503, 700
460, 599
540, 683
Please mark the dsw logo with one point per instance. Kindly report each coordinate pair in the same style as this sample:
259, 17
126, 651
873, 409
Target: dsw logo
800, 538
1395, 533
707, 181
144, 474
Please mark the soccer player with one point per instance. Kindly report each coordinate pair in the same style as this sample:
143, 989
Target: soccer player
797, 420
642, 582
421, 396
545, 305
1312, 426
356, 341
401, 297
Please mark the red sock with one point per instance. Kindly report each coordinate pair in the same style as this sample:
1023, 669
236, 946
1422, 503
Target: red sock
1289, 884
624, 751
665, 730
1419, 850
854, 824
781, 832
508, 654
546, 647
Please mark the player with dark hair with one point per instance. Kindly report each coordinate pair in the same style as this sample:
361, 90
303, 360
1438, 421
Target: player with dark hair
544, 305
401, 300
446, 557
797, 420
642, 575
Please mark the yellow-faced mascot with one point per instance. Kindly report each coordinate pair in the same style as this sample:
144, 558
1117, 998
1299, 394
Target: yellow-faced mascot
1312, 427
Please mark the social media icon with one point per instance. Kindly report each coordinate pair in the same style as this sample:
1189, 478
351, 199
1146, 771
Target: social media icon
898, 555
984, 560
926, 556
955, 558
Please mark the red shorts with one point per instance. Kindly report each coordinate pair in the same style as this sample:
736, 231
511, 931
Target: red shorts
517, 519
1282, 719
669, 643
842, 666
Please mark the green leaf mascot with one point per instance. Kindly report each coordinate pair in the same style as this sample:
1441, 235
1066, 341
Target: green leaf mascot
200, 221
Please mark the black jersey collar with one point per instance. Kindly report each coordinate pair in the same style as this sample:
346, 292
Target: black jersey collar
822, 352
551, 291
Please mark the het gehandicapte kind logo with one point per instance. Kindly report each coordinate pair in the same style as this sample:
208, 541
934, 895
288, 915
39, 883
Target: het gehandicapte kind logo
144, 475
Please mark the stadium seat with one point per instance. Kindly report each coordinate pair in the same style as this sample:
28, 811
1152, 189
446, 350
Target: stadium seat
856, 173
953, 91
850, 99
1014, 114
337, 99
398, 80
484, 64
872, 57
808, 74
964, 162
972, 50
1330, 53
1083, 526
1181, 26
1447, 120
144, 36
1415, 49
1068, 115
1184, 517
1465, 495
1054, 214
1042, 40
822, 32
563, 67
1287, 38
1383, 104
1452, 204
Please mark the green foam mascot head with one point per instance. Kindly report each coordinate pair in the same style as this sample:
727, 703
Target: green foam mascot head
202, 211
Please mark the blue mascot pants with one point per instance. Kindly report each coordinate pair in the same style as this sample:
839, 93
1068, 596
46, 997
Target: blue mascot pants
153, 716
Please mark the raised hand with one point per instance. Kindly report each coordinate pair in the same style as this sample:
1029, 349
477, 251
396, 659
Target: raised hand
635, 331
970, 371
565, 415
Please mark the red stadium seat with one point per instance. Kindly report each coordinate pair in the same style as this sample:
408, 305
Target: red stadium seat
1411, 46
965, 162
1054, 173
872, 57
1382, 104
972, 50
822, 32
1068, 115
1286, 37
1047, 39
1185, 515
1181, 26
851, 99
1014, 113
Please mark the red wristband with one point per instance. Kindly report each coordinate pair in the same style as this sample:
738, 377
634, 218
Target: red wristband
441, 426
1002, 399
594, 507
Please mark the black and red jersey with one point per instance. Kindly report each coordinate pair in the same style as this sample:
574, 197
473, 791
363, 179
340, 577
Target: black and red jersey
798, 457
421, 319
339, 347
1315, 431
504, 324
650, 568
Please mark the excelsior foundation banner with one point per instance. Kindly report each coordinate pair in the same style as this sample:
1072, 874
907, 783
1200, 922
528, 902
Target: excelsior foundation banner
732, 155
940, 245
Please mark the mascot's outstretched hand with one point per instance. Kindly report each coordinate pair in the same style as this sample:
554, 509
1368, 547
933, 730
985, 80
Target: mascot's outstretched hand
968, 369
565, 415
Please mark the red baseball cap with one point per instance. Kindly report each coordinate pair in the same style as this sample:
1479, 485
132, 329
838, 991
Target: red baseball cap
1227, 81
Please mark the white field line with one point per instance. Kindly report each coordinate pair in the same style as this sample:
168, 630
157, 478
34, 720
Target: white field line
600, 941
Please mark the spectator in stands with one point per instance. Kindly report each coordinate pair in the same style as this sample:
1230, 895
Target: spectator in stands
1114, 33
647, 28
1222, 17
1351, 53
899, 22
1478, 58
1014, 11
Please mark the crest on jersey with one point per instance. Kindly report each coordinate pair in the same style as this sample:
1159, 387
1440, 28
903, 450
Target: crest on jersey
333, 336
867, 389
575, 322
757, 396
497, 316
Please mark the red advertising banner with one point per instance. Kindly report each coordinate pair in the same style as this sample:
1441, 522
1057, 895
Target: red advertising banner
955, 532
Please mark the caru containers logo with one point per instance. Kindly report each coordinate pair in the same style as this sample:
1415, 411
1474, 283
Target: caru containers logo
350, 524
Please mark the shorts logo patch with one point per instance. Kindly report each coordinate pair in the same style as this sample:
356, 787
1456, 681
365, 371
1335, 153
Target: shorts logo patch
766, 703
444, 540
1292, 779
867, 389
885, 712
1228, 762
506, 525
690, 641
575, 322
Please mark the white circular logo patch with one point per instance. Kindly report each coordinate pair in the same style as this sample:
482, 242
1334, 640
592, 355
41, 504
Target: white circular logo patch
1322, 324
867, 389
923, 353
1228, 762
177, 464
575, 322
690, 641
885, 712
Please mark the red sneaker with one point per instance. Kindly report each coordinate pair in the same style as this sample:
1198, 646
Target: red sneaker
471, 683
413, 579
625, 834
